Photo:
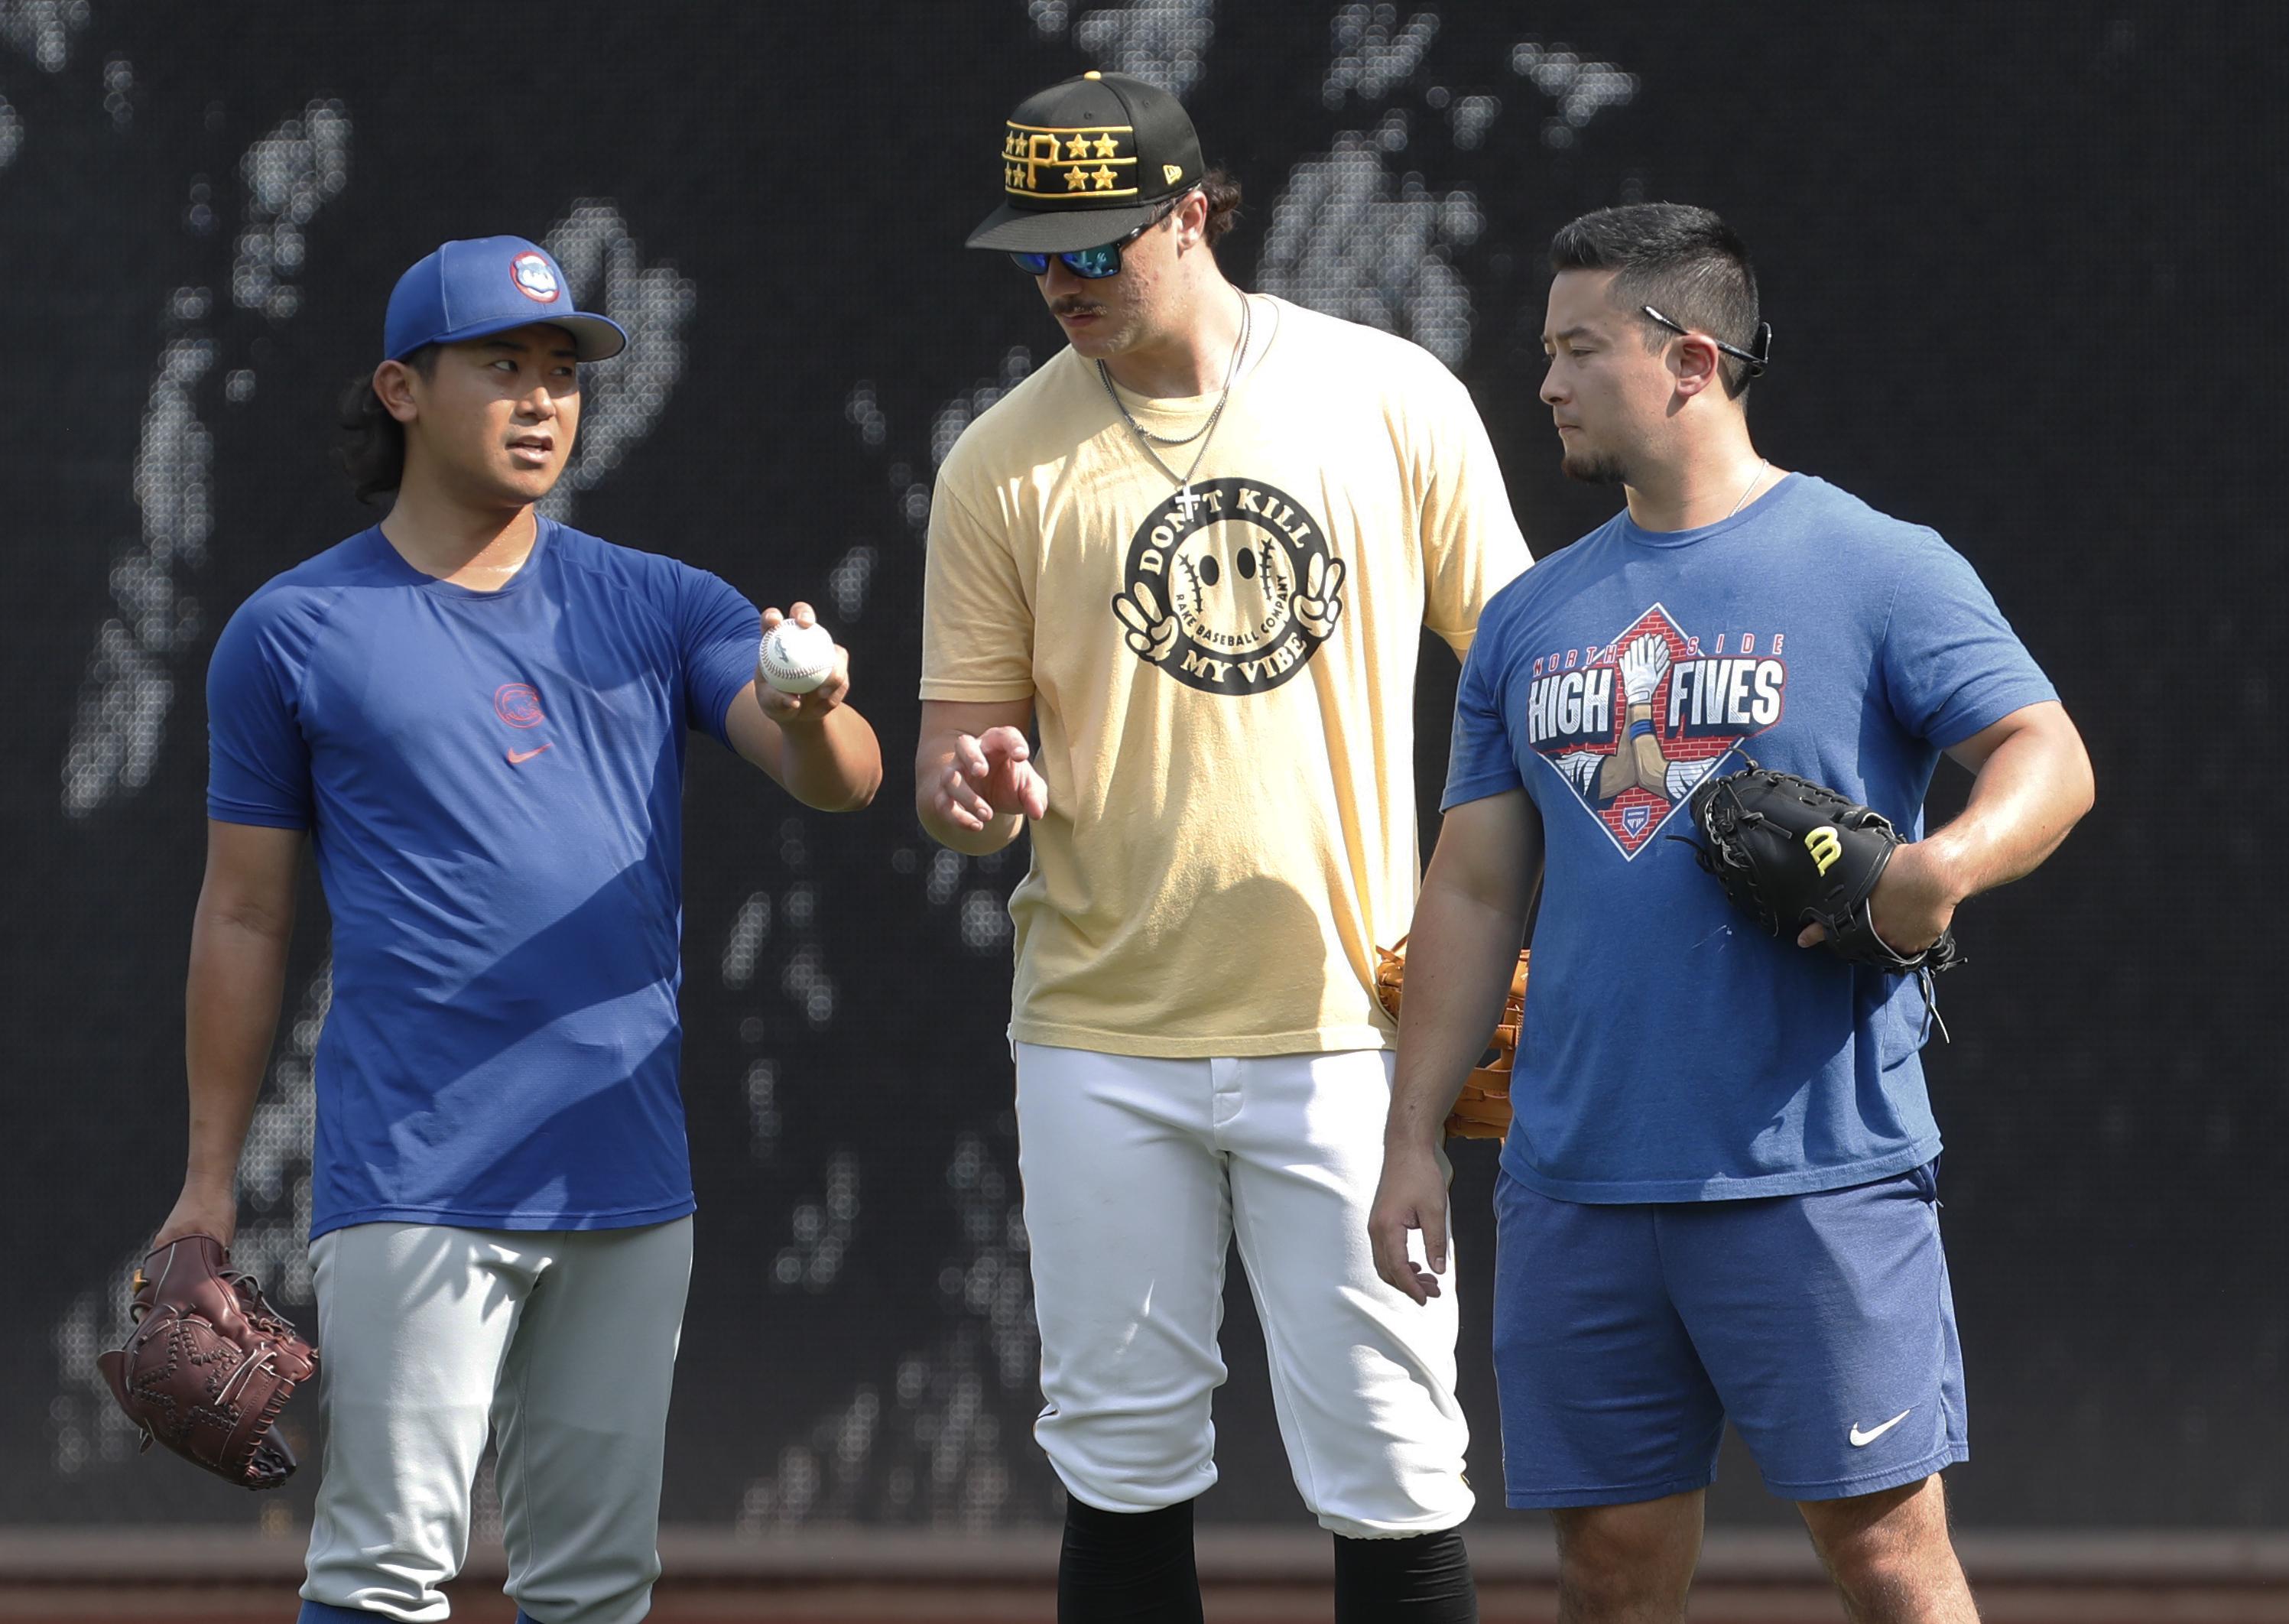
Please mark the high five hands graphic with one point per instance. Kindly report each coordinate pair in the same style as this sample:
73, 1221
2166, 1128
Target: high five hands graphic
1638, 762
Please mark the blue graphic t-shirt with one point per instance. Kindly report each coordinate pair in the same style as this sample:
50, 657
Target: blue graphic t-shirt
493, 784
1672, 1051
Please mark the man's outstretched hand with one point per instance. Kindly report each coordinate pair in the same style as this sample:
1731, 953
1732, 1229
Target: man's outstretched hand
990, 776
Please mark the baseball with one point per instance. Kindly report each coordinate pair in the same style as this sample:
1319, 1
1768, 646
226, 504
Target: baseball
796, 659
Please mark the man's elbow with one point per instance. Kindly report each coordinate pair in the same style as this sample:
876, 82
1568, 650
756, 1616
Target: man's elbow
265, 921
855, 797
2076, 779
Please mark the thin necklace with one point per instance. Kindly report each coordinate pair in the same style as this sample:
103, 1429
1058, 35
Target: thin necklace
1206, 431
1752, 485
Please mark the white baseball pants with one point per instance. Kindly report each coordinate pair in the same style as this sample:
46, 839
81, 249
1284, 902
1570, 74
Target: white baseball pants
563, 1344
1138, 1174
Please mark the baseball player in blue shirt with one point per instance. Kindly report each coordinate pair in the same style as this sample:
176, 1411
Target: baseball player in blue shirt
1718, 1193
476, 717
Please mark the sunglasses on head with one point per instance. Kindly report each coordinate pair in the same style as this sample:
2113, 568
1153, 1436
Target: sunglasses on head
1093, 264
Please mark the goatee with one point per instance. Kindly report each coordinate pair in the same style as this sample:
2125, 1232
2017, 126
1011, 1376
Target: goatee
1599, 469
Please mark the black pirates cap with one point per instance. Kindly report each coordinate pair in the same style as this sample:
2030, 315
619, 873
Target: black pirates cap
1088, 160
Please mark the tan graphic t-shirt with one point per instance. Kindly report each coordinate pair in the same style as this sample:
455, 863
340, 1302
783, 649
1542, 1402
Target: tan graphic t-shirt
1224, 690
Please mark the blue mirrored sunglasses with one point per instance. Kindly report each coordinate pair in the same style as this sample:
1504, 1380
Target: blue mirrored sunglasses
1092, 264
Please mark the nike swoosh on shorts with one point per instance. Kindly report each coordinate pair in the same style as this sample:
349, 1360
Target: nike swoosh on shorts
1861, 1440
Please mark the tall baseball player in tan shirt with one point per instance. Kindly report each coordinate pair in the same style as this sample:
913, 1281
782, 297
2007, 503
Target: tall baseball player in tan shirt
1195, 550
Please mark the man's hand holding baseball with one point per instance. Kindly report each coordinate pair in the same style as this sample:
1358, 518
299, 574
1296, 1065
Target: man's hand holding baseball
801, 709
819, 749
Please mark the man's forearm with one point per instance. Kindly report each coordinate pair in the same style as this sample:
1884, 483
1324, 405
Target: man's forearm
2029, 793
231, 1001
1461, 955
835, 765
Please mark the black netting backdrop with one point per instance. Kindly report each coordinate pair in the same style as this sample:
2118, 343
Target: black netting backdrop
2021, 261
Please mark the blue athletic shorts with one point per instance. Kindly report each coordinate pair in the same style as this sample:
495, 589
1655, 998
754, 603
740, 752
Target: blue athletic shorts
1822, 1324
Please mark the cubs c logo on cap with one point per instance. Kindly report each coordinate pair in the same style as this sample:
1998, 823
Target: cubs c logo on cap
534, 277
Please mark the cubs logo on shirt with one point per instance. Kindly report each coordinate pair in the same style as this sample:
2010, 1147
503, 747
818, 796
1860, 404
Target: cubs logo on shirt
1634, 724
518, 704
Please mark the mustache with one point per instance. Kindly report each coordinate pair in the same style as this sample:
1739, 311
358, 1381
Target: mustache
1072, 306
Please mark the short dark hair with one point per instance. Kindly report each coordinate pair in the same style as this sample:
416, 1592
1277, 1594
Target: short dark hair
372, 448
1684, 261
1223, 194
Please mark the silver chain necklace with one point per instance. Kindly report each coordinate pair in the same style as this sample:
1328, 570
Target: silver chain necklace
1206, 432
1752, 485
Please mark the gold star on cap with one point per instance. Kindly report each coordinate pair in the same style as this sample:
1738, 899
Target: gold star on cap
1076, 180
1107, 146
1077, 148
1104, 179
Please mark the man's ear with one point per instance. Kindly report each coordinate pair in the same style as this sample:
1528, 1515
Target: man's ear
1696, 363
393, 385
1192, 220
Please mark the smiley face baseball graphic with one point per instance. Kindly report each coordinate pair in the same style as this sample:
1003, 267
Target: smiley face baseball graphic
1229, 587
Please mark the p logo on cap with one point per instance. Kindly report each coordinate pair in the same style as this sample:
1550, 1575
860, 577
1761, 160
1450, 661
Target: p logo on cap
536, 279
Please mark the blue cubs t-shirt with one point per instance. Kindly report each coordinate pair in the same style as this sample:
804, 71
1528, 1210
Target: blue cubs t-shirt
493, 783
1671, 1050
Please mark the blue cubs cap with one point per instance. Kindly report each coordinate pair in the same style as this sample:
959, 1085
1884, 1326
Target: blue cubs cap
477, 286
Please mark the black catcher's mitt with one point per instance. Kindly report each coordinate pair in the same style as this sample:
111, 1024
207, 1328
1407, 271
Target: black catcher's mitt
1790, 852
209, 1364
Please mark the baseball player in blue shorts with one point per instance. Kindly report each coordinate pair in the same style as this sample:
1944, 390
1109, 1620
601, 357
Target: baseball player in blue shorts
477, 717
1718, 1196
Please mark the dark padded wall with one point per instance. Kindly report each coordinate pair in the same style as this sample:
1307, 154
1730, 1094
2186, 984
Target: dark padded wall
2021, 265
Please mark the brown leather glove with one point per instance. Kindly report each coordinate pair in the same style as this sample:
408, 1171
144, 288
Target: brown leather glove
1482, 1110
209, 1364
